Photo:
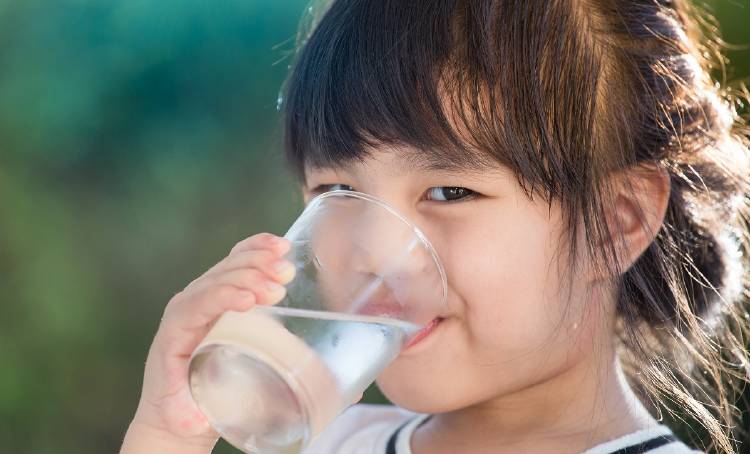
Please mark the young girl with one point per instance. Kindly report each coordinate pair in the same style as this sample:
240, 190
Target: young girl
585, 184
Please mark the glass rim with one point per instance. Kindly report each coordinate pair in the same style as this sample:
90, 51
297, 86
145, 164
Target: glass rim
417, 231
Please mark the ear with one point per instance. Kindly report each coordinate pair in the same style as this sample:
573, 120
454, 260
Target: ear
635, 215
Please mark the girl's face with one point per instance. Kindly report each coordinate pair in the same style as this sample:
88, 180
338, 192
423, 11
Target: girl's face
513, 319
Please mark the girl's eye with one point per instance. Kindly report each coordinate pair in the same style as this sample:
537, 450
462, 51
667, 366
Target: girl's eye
332, 187
449, 193
343, 186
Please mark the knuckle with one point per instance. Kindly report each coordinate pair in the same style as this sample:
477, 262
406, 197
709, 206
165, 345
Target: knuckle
266, 257
177, 296
249, 275
254, 256
168, 310
267, 235
192, 283
261, 238
173, 301
222, 291
258, 237
237, 246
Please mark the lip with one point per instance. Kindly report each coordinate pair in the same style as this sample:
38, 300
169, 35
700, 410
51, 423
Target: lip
423, 333
382, 303
382, 308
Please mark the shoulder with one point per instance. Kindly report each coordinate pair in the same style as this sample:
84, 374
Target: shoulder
360, 429
654, 440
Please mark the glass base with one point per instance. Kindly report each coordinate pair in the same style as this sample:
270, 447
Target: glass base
247, 401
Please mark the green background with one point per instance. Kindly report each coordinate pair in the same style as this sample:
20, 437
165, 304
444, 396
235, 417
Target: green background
139, 140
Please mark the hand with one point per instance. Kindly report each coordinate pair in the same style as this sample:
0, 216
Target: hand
237, 283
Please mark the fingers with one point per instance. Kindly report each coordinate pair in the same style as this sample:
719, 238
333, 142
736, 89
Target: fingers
194, 310
253, 273
230, 288
257, 251
188, 317
272, 263
267, 291
250, 272
262, 240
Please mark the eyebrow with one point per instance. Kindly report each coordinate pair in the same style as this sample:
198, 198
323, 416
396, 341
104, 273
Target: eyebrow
469, 162
471, 165
421, 161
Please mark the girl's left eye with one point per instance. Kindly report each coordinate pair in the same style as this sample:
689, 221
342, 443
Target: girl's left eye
450, 193
436, 193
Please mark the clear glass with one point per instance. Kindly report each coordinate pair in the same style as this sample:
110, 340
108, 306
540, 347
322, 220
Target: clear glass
367, 280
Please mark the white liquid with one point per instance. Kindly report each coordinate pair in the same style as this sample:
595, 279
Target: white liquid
314, 365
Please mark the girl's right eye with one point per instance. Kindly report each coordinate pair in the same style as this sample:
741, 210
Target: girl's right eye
331, 187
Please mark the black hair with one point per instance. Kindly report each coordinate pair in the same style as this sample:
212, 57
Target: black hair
562, 92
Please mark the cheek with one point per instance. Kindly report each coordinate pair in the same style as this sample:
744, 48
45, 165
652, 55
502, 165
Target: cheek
512, 326
505, 271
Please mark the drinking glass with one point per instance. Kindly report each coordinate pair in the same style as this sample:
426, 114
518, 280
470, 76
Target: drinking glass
367, 282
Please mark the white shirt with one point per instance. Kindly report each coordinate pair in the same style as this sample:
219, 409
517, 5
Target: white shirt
368, 428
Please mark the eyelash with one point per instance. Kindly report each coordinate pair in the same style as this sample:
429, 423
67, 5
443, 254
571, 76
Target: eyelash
471, 194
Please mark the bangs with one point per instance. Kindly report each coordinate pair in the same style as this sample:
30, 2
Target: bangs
467, 84
368, 75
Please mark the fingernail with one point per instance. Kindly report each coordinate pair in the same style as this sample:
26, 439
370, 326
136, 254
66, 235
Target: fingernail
276, 240
281, 265
274, 287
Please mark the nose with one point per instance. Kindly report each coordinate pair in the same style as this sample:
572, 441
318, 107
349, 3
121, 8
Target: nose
394, 265
378, 259
383, 242
364, 235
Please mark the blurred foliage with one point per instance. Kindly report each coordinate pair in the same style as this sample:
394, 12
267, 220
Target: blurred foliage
139, 141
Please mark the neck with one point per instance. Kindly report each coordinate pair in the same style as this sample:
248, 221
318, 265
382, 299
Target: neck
587, 404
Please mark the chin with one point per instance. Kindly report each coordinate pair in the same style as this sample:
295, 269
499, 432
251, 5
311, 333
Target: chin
420, 398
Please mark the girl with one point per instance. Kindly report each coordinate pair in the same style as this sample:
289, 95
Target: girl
585, 184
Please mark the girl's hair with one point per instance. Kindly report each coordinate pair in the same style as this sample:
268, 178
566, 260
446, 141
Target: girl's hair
563, 92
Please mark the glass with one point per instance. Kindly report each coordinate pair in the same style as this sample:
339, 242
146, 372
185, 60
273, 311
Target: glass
367, 281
